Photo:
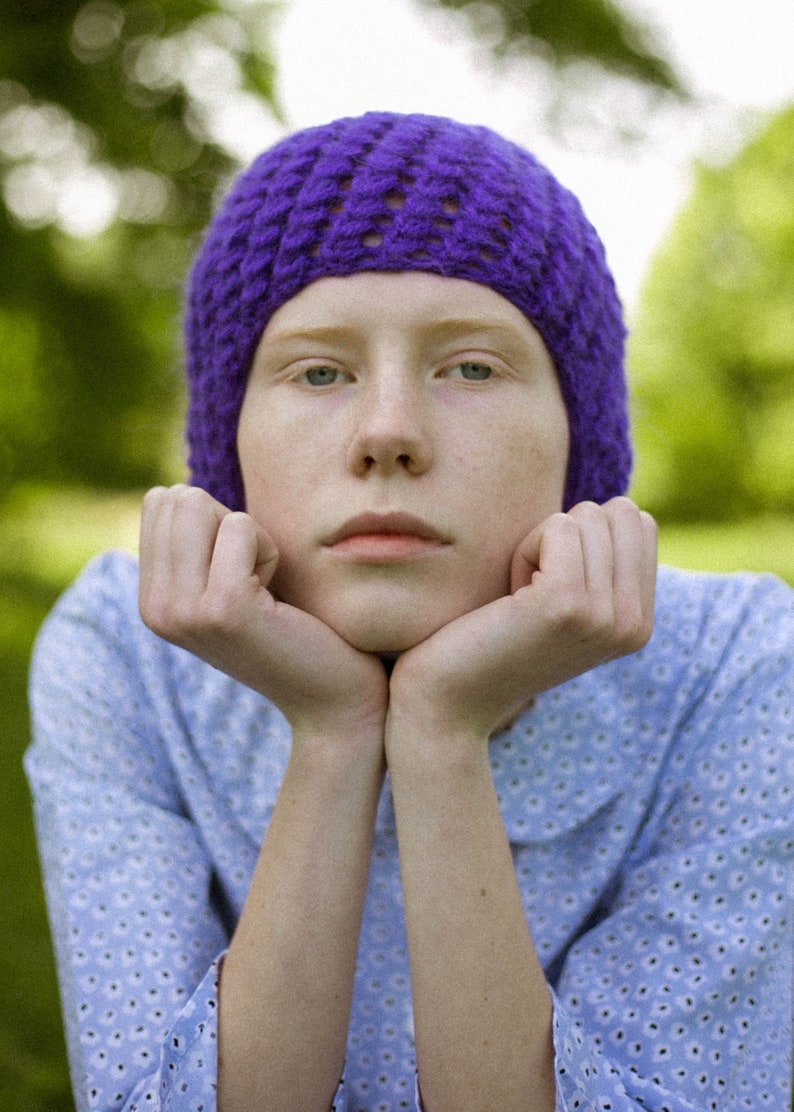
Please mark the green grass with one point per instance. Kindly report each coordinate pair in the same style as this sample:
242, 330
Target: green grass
765, 544
45, 537
33, 1076
44, 540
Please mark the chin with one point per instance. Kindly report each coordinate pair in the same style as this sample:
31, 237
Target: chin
385, 634
384, 641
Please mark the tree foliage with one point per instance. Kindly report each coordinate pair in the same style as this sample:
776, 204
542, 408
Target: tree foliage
598, 32
123, 100
120, 100
712, 353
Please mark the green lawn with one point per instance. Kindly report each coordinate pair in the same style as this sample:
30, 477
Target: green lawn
44, 540
766, 544
33, 1075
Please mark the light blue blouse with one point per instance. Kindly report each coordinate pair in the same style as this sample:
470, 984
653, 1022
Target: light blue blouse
648, 804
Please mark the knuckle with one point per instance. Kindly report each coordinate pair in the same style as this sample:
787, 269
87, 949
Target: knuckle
188, 497
570, 610
185, 619
153, 496
216, 613
633, 627
157, 612
560, 520
621, 503
585, 510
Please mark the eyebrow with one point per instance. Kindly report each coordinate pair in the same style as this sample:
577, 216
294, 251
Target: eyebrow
438, 329
321, 333
457, 326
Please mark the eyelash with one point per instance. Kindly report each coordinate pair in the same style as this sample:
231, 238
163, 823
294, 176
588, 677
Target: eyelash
463, 366
304, 375
472, 363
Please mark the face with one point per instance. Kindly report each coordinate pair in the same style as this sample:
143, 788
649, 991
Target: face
400, 435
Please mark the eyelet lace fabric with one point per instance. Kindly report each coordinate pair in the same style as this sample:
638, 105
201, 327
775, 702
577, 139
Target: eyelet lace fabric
648, 805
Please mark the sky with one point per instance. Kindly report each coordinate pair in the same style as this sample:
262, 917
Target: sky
343, 57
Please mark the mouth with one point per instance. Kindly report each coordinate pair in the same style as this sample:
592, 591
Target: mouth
384, 538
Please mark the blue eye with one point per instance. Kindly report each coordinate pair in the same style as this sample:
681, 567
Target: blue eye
472, 372
320, 376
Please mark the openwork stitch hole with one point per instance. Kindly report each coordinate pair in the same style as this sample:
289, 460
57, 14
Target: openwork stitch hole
394, 200
451, 206
372, 239
317, 245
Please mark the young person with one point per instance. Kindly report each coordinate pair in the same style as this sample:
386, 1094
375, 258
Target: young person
395, 794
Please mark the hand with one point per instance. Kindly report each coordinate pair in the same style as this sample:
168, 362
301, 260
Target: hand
582, 587
204, 574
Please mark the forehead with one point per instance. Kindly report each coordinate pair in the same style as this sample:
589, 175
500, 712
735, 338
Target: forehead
416, 302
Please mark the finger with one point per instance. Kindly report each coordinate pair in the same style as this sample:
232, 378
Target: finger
552, 549
242, 550
634, 559
194, 520
597, 543
149, 536
178, 526
634, 539
651, 564
154, 544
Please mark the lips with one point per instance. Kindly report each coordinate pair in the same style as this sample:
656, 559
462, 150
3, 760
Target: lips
387, 525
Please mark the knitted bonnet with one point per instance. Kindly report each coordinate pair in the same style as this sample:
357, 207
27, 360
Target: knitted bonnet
390, 192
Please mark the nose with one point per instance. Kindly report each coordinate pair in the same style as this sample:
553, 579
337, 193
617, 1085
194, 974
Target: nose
391, 431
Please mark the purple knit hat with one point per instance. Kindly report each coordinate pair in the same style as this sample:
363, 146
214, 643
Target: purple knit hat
391, 192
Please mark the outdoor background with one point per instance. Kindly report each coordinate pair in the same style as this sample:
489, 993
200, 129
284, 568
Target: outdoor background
122, 120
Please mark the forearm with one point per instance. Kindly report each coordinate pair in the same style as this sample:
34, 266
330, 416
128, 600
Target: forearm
482, 1008
287, 980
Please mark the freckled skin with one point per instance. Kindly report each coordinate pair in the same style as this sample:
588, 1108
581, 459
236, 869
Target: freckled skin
400, 392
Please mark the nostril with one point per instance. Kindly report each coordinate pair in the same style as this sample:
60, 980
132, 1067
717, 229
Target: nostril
404, 460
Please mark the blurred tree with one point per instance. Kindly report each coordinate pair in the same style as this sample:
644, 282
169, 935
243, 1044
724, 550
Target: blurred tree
712, 352
110, 154
598, 32
128, 103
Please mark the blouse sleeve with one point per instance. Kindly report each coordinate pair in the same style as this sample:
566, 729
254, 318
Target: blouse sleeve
680, 998
137, 936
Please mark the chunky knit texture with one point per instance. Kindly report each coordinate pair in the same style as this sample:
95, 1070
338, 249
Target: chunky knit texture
390, 192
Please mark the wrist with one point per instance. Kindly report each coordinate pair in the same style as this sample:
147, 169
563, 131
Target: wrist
420, 740
344, 723
326, 775
335, 748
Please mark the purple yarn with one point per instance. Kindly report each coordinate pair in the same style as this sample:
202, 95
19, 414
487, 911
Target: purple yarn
390, 192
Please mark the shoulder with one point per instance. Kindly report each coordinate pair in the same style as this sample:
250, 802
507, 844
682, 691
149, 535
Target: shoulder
700, 592
107, 584
725, 645
100, 607
112, 701
716, 679
706, 616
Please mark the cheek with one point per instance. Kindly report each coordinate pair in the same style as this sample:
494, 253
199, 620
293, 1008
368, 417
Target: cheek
528, 474
272, 467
